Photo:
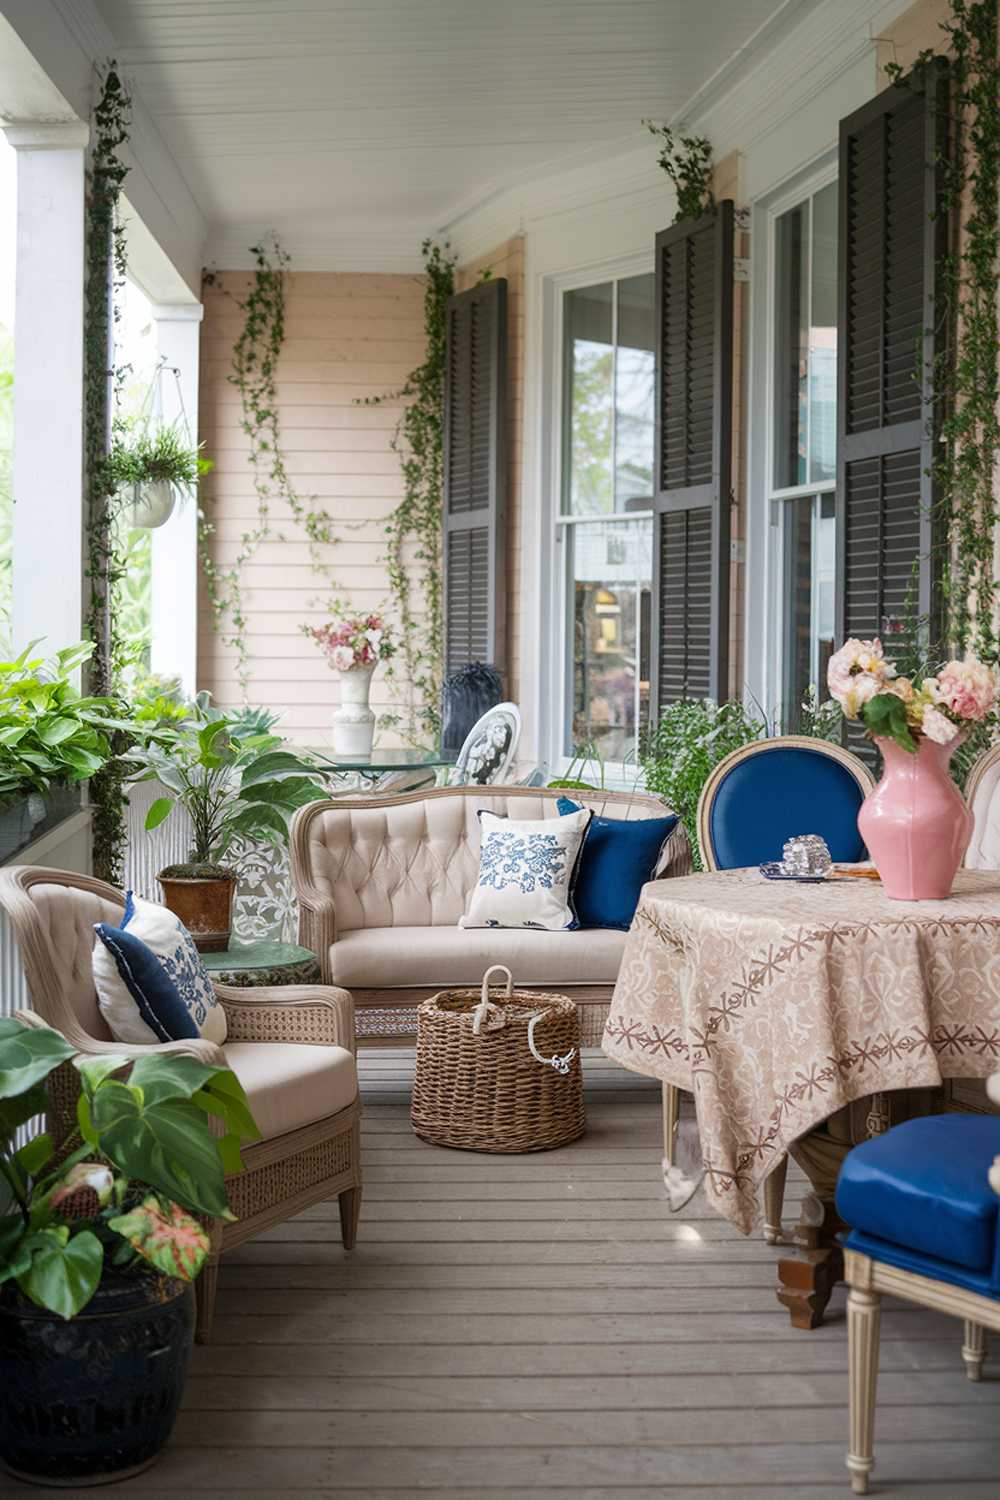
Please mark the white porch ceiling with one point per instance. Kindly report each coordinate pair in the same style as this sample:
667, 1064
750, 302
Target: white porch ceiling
355, 127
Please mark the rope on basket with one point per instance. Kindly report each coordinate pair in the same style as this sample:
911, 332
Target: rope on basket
561, 1064
494, 1018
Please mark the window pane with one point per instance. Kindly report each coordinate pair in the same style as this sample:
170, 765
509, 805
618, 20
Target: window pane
588, 318
790, 371
810, 561
8, 245
823, 338
610, 570
635, 375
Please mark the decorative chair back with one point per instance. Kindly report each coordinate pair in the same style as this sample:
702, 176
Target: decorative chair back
52, 914
767, 792
982, 793
490, 748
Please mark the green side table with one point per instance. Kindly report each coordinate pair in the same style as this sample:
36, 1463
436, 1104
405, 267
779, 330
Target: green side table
252, 965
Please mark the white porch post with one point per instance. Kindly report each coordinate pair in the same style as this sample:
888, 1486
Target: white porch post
174, 611
48, 387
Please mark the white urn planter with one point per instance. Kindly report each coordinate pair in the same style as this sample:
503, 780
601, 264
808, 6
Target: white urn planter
353, 721
152, 503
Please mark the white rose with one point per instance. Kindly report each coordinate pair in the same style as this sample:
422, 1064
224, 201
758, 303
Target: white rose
937, 727
342, 657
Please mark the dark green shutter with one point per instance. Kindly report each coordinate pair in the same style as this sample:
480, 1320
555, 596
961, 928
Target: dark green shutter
693, 459
475, 480
891, 234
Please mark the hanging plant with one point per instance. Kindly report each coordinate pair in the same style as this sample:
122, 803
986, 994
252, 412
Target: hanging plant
254, 374
413, 530
965, 375
107, 557
687, 161
151, 471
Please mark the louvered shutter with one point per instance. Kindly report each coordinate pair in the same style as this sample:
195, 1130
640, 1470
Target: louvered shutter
892, 231
475, 498
693, 459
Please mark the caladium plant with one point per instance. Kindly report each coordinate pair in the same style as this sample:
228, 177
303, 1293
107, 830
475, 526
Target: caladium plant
127, 1189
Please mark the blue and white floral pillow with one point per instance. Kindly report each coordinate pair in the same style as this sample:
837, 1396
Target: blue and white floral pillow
151, 983
527, 872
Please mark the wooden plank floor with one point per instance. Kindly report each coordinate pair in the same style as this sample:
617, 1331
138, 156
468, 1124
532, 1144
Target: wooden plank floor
541, 1325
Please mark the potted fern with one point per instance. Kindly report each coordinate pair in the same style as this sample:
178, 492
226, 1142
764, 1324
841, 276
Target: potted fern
101, 1236
151, 470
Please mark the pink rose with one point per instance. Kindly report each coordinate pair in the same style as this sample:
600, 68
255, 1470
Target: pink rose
937, 727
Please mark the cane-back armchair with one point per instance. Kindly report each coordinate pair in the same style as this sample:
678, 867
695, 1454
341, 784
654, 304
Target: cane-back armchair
292, 1048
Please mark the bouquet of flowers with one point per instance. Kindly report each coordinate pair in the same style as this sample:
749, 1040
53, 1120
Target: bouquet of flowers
352, 641
939, 706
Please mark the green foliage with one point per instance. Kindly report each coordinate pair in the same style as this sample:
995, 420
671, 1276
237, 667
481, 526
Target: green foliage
232, 776
148, 457
885, 716
820, 719
965, 375
145, 1131
414, 529
254, 373
678, 754
687, 161
49, 732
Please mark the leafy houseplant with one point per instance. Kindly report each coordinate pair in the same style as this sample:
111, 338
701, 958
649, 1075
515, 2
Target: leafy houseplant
235, 781
151, 469
51, 736
98, 1244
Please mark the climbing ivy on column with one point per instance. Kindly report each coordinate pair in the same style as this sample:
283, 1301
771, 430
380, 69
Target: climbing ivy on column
254, 373
414, 529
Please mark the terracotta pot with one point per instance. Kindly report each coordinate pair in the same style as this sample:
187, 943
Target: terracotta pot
915, 823
205, 906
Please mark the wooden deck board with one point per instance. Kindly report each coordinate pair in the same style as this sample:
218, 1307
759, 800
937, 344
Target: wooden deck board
514, 1328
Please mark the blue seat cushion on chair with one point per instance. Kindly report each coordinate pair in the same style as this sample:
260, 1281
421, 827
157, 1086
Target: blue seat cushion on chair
619, 855
773, 795
923, 1187
979, 1282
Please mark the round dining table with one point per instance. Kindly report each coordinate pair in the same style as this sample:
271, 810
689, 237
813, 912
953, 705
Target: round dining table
778, 1003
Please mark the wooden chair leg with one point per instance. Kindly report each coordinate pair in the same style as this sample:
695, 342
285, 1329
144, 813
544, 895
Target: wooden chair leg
863, 1319
204, 1293
671, 1112
774, 1201
974, 1349
350, 1211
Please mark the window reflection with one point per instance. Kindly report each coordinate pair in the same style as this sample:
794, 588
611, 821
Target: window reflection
610, 570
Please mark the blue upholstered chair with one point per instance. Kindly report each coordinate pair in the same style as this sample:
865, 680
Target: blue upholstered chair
755, 799
924, 1219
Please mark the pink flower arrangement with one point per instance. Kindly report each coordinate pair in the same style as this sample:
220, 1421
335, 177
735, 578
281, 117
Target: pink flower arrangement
353, 641
938, 707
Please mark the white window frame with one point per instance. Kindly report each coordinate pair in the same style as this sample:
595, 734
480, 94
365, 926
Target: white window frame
767, 605
553, 578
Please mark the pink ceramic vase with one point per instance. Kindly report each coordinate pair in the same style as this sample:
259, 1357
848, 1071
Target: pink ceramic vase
915, 823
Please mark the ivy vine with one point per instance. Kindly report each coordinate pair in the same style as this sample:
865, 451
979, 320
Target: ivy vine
965, 375
254, 374
414, 529
687, 161
107, 561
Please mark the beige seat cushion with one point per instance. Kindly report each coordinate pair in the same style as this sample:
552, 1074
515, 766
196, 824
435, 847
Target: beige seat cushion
405, 957
289, 1085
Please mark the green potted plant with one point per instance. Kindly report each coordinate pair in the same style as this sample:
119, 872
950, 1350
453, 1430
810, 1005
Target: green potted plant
51, 738
235, 780
150, 470
100, 1238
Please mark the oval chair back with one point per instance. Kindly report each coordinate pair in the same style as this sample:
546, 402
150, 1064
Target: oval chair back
982, 793
490, 747
767, 792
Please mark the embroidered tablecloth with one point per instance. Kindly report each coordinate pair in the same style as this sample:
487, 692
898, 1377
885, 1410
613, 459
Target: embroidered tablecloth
777, 1003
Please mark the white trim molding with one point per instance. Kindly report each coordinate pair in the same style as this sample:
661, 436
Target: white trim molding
46, 135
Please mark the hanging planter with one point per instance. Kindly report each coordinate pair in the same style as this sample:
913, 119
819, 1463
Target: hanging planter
150, 472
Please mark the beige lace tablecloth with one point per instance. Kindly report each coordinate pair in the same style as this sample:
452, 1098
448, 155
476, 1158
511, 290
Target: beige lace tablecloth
777, 1003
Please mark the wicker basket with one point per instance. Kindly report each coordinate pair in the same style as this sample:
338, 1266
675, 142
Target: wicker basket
498, 1075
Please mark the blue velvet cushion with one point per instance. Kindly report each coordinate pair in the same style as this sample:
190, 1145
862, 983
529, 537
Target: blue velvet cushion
619, 855
151, 983
922, 1189
775, 794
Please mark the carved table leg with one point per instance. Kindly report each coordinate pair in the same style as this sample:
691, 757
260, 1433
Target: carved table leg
806, 1282
774, 1198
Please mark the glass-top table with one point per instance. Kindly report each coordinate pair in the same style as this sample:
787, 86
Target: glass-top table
379, 763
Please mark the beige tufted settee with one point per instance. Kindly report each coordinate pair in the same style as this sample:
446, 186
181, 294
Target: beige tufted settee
382, 882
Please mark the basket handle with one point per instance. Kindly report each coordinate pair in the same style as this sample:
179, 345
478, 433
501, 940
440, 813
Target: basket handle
482, 1010
561, 1063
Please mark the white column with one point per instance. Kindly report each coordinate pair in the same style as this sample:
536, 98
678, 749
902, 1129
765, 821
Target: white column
48, 550
174, 651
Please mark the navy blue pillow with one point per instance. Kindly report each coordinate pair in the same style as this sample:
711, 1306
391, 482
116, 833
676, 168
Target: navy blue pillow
157, 998
619, 855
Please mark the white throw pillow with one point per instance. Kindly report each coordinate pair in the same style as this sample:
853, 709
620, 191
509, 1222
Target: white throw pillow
527, 872
151, 983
